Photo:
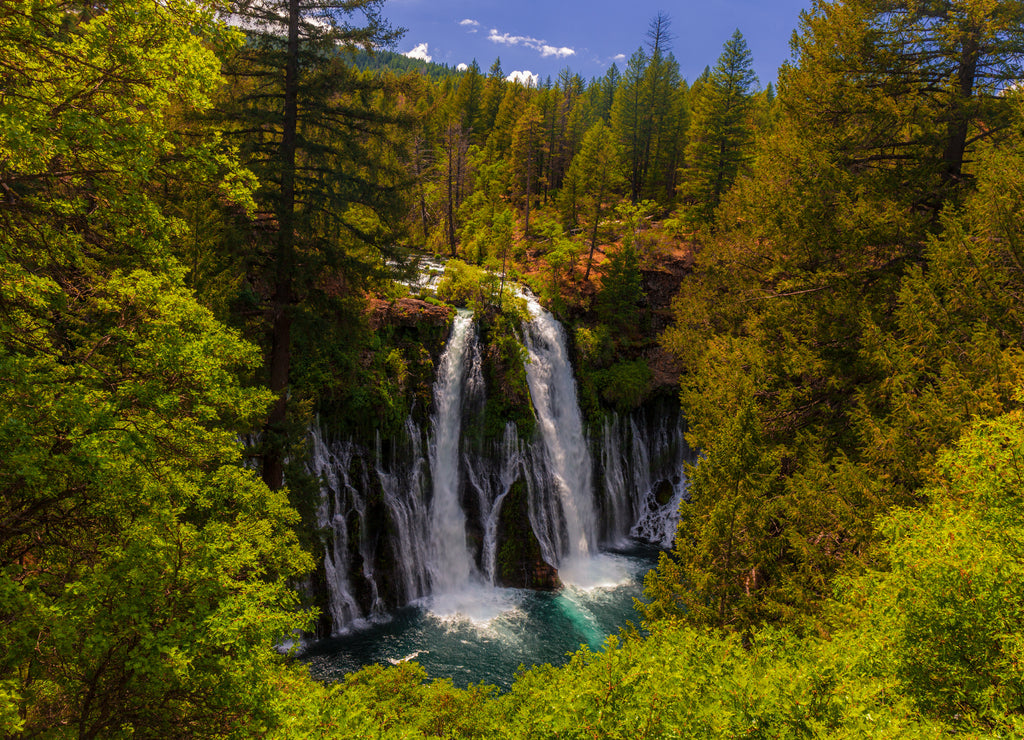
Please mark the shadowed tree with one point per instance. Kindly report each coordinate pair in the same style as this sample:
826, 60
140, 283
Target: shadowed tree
305, 122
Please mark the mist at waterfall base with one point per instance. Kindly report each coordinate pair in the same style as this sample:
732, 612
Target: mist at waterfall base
436, 487
510, 628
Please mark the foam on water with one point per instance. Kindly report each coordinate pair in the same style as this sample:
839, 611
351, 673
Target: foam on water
479, 606
601, 571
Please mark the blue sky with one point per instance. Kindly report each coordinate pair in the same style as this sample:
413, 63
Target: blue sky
588, 35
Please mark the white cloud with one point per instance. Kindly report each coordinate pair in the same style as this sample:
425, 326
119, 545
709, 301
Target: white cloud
470, 22
420, 51
619, 58
524, 77
551, 51
545, 49
461, 67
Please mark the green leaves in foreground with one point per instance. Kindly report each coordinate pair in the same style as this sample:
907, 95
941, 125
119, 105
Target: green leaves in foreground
142, 570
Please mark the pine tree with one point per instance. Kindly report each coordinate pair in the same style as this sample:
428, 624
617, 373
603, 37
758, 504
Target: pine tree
826, 302
490, 100
721, 132
302, 116
468, 99
144, 572
594, 179
527, 157
628, 120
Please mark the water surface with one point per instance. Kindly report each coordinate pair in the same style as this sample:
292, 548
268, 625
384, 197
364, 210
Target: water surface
483, 634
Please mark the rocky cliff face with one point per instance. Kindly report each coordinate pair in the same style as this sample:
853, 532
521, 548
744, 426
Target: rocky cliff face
407, 312
660, 286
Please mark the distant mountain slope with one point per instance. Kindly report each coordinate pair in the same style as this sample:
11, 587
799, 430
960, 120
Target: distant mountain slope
399, 63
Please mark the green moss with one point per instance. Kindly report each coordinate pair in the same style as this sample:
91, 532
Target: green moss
518, 551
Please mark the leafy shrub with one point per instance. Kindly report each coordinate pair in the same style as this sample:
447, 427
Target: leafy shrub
624, 385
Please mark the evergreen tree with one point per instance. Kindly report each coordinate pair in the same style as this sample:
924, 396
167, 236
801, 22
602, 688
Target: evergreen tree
468, 99
594, 178
819, 303
621, 288
721, 133
527, 158
602, 93
660, 86
628, 120
490, 100
302, 116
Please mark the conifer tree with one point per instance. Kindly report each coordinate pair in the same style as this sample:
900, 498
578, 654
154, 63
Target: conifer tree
527, 157
468, 99
722, 130
826, 302
490, 99
628, 120
302, 117
594, 179
144, 572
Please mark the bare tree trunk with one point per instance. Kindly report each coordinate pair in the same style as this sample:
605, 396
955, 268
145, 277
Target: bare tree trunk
283, 298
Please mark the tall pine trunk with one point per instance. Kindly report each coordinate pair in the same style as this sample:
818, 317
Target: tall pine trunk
283, 298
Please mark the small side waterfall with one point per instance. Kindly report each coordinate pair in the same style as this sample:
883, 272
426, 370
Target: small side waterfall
491, 477
565, 523
643, 459
340, 498
404, 486
358, 490
450, 563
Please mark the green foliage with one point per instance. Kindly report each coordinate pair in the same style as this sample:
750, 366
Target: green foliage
594, 346
926, 644
396, 701
508, 395
624, 385
465, 285
316, 133
594, 178
849, 301
144, 573
722, 130
621, 289
948, 606
562, 255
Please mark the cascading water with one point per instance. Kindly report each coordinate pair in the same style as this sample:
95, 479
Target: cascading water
450, 564
425, 515
492, 477
338, 500
565, 523
348, 479
643, 458
403, 485
424, 519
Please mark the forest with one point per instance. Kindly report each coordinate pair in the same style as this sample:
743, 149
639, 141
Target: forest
207, 208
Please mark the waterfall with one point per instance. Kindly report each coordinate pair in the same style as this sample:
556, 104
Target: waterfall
419, 515
353, 542
339, 499
565, 523
491, 476
643, 459
404, 487
450, 564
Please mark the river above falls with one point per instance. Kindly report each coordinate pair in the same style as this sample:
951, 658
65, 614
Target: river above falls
484, 634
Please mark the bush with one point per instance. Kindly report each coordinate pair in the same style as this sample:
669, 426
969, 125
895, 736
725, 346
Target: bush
624, 385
